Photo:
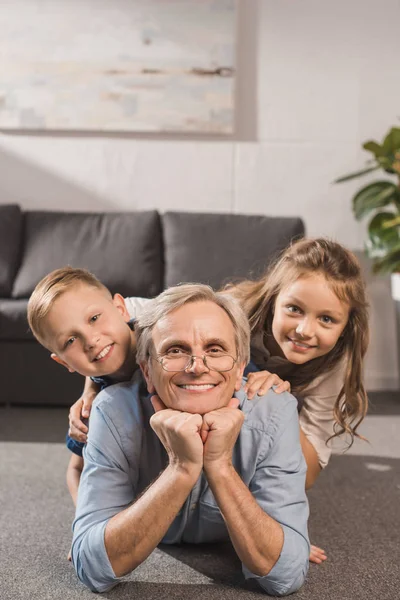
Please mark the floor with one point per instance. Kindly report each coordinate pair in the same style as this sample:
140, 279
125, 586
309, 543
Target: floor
355, 516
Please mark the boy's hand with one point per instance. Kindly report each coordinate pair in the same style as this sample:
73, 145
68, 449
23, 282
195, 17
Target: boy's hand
80, 409
260, 382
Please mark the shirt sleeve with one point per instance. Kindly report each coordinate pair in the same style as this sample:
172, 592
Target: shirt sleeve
134, 305
107, 486
278, 486
316, 416
74, 446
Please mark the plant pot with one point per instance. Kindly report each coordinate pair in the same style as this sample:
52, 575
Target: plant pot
395, 284
395, 281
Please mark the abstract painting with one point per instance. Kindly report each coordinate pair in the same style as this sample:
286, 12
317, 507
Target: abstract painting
125, 65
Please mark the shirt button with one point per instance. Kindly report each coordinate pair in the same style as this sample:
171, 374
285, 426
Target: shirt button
193, 506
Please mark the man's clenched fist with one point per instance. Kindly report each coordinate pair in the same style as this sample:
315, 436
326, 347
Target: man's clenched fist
179, 433
193, 440
219, 432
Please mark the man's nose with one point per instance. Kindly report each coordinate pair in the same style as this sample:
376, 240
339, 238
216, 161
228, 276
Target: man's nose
196, 365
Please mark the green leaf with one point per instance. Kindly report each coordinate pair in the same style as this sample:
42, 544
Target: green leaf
393, 223
386, 163
380, 222
390, 263
375, 195
391, 143
374, 147
382, 238
357, 174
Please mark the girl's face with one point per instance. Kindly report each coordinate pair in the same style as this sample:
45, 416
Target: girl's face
308, 319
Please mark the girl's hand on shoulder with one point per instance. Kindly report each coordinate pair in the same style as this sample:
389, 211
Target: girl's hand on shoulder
260, 382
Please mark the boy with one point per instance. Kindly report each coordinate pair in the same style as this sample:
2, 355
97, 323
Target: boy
87, 330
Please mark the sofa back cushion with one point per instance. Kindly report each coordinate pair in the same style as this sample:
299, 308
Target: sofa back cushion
10, 246
13, 322
215, 248
124, 250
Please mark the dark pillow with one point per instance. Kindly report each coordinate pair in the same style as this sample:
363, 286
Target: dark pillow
124, 250
10, 246
214, 248
13, 321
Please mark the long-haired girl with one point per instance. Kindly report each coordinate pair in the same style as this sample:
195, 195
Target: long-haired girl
309, 322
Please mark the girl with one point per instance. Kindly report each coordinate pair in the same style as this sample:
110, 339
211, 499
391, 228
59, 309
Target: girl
309, 322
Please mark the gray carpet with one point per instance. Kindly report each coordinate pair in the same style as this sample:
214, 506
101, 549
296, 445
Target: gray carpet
355, 516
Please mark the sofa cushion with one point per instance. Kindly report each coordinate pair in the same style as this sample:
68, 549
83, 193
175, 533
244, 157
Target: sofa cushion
32, 378
124, 250
214, 248
13, 321
10, 244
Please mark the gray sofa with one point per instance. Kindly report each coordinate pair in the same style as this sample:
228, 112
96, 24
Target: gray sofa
134, 253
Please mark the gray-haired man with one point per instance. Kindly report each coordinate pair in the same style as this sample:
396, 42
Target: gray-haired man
199, 463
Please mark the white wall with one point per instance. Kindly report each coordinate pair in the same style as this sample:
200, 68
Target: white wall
315, 80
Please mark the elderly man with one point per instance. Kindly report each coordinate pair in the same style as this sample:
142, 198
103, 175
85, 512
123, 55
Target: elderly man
197, 462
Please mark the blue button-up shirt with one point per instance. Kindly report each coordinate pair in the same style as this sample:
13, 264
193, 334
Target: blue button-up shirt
124, 456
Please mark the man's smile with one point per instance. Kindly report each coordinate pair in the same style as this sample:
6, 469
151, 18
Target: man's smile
197, 387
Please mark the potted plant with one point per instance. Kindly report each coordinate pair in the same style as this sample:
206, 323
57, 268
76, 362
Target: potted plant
379, 203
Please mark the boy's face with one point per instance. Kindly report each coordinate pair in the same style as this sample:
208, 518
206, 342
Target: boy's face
87, 331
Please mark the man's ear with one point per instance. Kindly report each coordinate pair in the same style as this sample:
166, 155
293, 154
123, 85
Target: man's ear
119, 304
146, 374
240, 370
61, 362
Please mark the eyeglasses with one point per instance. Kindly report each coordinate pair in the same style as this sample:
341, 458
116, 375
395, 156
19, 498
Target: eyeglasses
176, 363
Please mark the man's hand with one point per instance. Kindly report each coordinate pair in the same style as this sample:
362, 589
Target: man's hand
260, 382
179, 433
219, 433
78, 411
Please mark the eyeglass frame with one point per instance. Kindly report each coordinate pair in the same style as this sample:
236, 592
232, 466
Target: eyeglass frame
159, 358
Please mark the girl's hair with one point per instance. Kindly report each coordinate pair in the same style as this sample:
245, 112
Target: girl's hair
342, 272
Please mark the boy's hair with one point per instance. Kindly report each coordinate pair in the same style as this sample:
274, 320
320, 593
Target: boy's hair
175, 297
342, 272
49, 289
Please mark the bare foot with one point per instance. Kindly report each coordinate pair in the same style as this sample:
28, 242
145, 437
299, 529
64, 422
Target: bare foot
317, 555
69, 557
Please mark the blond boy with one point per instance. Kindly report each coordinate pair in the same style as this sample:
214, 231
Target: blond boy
88, 331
